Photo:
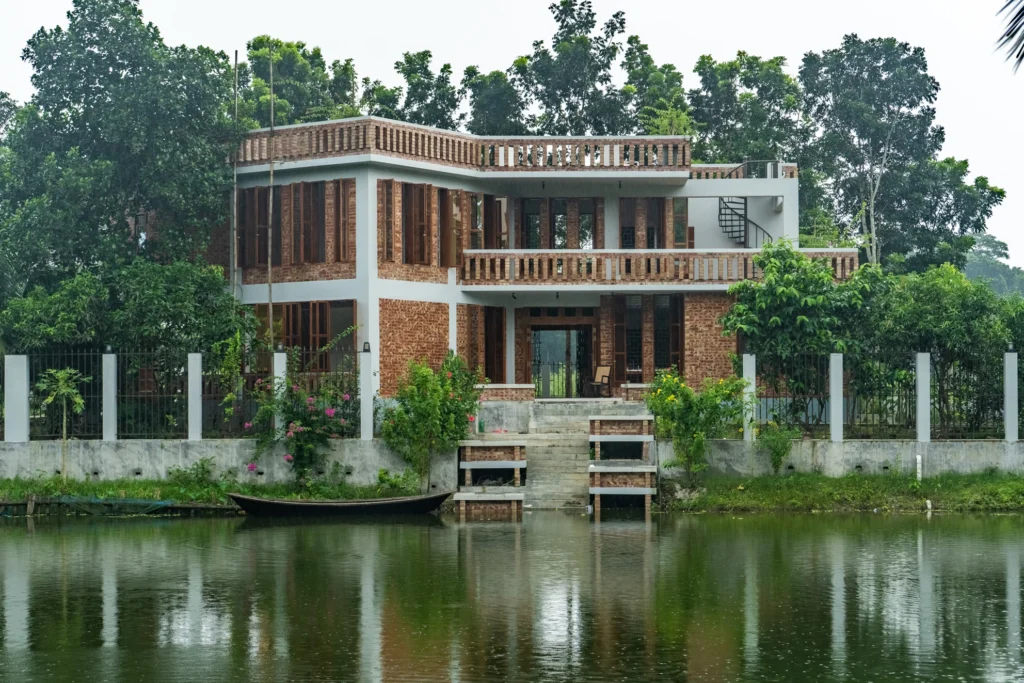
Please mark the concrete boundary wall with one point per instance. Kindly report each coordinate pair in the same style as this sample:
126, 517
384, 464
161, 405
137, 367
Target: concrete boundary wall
740, 458
151, 459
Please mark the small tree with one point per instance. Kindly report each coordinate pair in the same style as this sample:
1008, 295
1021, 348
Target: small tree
692, 418
433, 411
62, 386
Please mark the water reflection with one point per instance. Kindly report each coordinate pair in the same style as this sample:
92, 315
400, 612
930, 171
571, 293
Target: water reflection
556, 598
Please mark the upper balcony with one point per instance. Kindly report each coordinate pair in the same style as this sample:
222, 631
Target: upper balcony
371, 136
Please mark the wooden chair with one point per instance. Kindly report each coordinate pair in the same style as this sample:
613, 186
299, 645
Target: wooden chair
601, 385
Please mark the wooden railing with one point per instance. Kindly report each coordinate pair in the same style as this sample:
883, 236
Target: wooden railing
583, 267
396, 139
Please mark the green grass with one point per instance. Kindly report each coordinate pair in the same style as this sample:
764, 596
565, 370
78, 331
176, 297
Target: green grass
983, 492
185, 487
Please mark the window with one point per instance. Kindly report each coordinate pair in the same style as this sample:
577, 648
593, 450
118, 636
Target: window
447, 209
667, 331
559, 218
415, 227
309, 233
531, 223
476, 221
587, 223
342, 249
627, 224
679, 228
655, 223
627, 339
253, 208
389, 220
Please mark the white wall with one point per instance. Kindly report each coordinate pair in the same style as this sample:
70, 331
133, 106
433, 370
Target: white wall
707, 233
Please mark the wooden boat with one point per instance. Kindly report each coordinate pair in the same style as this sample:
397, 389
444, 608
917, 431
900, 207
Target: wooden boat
270, 507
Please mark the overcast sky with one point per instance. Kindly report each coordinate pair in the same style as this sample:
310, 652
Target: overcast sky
980, 103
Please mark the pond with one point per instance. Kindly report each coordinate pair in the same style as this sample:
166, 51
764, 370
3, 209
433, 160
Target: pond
557, 598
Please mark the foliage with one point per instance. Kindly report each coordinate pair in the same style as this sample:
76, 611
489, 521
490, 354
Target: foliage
658, 99
433, 411
61, 387
776, 442
430, 100
72, 315
986, 263
691, 418
496, 107
571, 81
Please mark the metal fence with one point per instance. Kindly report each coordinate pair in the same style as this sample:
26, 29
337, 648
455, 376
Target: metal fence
558, 380
229, 402
46, 419
794, 391
967, 398
152, 395
880, 396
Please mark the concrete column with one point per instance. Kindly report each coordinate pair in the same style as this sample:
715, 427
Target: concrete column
280, 374
924, 397
366, 395
453, 323
835, 396
749, 395
510, 345
611, 223
16, 385
1011, 397
109, 397
195, 396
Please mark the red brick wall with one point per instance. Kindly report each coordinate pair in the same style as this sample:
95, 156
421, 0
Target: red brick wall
395, 269
526, 393
410, 330
707, 352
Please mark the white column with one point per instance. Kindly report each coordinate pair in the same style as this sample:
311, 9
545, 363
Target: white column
366, 394
195, 396
109, 397
1011, 397
611, 222
280, 374
749, 395
16, 381
835, 396
510, 345
453, 326
924, 397
368, 301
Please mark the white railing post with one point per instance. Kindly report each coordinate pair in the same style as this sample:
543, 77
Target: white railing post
109, 397
749, 395
195, 396
923, 371
280, 377
1011, 398
16, 385
835, 396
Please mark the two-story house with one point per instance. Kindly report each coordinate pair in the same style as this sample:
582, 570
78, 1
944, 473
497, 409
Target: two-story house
544, 261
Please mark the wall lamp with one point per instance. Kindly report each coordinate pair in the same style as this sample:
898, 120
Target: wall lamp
366, 347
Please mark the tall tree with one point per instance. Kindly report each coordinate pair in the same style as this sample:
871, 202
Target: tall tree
746, 108
430, 100
7, 108
571, 81
659, 103
872, 101
1012, 39
496, 107
987, 262
379, 100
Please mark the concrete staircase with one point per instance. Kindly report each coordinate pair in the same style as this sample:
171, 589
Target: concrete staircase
558, 450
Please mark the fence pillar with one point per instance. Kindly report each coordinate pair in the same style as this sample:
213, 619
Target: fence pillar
835, 396
1011, 399
195, 396
749, 395
16, 385
280, 377
923, 372
365, 397
109, 397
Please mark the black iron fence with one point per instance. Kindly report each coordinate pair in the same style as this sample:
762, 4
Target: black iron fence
230, 397
559, 380
794, 391
967, 398
152, 395
53, 376
879, 396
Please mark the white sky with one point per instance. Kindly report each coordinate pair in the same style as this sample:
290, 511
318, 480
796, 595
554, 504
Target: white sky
980, 102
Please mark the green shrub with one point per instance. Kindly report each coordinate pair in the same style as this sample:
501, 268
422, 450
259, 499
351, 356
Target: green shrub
777, 443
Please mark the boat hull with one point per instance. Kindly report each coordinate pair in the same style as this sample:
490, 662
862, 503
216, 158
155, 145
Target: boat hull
268, 507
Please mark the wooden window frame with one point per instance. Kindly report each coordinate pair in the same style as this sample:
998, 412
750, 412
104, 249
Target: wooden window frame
309, 219
389, 220
415, 225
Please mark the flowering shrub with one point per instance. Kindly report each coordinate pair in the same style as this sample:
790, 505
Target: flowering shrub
690, 418
433, 411
307, 418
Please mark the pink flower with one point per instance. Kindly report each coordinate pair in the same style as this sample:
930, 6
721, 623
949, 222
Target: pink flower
295, 387
290, 434
330, 412
346, 397
259, 380
251, 467
288, 457
449, 375
344, 421
471, 418
300, 428
311, 407
451, 395
248, 425
310, 399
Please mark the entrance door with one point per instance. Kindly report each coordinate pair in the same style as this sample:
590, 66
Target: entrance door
561, 361
494, 344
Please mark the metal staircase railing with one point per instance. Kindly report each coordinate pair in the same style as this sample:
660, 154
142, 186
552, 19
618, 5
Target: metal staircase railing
737, 226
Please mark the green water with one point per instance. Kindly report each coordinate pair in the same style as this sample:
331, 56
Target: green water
558, 598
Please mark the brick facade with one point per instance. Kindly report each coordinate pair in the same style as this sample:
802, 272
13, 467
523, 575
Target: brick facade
707, 354
525, 392
410, 330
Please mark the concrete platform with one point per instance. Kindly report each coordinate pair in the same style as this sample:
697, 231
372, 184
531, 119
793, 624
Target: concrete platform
612, 466
472, 496
621, 438
621, 491
492, 465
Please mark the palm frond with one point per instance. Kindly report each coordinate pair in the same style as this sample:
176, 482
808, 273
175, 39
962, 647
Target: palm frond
1012, 39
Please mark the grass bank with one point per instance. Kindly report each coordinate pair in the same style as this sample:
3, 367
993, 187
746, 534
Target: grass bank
195, 485
983, 492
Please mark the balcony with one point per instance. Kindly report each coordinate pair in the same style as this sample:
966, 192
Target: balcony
568, 267
373, 136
